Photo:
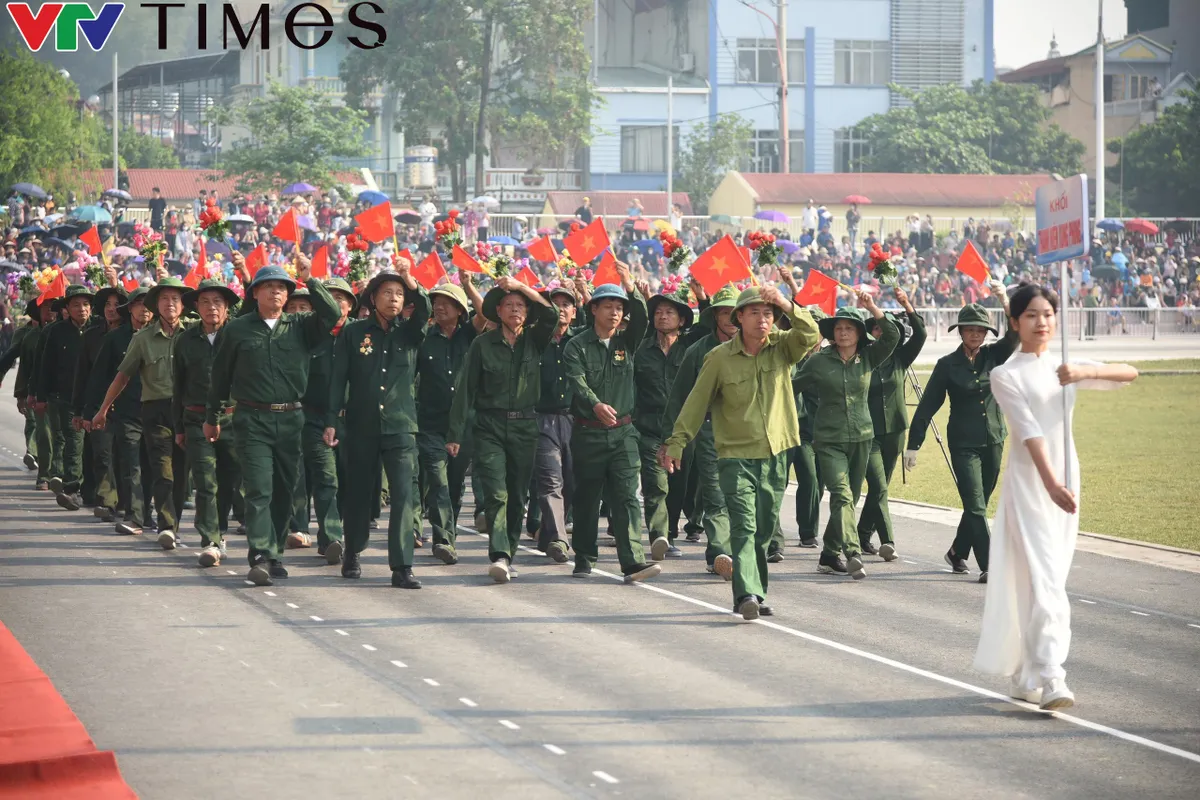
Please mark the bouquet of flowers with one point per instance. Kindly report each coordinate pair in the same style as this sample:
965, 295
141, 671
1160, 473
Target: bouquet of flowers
673, 287
881, 266
448, 231
13, 288
149, 244
90, 269
763, 244
26, 283
359, 261
676, 252
42, 278
495, 262
213, 221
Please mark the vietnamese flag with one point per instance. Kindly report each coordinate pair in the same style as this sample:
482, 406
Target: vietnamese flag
971, 264
257, 259
747, 254
587, 242
320, 262
462, 259
130, 284
288, 227
91, 237
376, 223
542, 250
607, 271
197, 273
407, 255
56, 289
819, 290
720, 264
429, 271
528, 277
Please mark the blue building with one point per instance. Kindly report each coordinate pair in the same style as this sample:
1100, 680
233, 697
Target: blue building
723, 57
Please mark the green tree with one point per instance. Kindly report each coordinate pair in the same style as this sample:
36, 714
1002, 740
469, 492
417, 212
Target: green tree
516, 70
986, 128
1160, 163
139, 151
295, 134
710, 151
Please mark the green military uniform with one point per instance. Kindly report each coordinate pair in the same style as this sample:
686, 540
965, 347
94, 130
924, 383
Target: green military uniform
319, 479
23, 349
654, 372
606, 460
151, 357
502, 383
842, 428
56, 380
214, 467
709, 502
50, 466
373, 370
264, 369
754, 425
976, 431
889, 418
101, 467
442, 477
803, 459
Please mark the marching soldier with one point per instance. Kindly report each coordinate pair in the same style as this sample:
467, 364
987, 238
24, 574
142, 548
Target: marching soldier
56, 381
746, 384
890, 420
261, 364
214, 466
440, 359
107, 303
24, 349
604, 448
380, 423
501, 382
50, 465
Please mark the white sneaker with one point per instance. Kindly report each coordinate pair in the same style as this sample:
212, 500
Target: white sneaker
297, 540
499, 572
1019, 692
888, 552
854, 566
1056, 695
210, 556
723, 566
166, 540
481, 525
658, 548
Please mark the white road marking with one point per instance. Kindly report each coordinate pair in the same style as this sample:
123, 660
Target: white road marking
315, 619
1089, 602
906, 561
222, 649
340, 632
199, 631
269, 594
553, 748
248, 583
1140, 613
368, 647
431, 682
292, 605
604, 776
244, 664
231, 572
1193, 625
400, 664
468, 702
512, 726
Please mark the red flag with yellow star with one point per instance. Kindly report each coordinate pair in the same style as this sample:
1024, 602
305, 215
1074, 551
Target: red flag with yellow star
429, 271
607, 271
819, 290
720, 264
587, 242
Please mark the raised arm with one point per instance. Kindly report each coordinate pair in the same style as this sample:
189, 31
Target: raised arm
691, 416
478, 321
1097, 375
907, 353
464, 395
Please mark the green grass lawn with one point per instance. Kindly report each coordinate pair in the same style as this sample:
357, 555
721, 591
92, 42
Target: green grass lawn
1137, 452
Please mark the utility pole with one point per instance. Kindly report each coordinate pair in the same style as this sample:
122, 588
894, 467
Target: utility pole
116, 123
670, 140
1100, 113
781, 46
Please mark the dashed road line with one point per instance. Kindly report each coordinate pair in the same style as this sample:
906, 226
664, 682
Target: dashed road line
604, 776
468, 702
292, 605
1089, 602
340, 632
1139, 613
315, 618
431, 682
269, 594
368, 647
512, 726
553, 748
399, 664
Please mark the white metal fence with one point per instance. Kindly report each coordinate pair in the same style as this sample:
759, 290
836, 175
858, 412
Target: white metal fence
1090, 323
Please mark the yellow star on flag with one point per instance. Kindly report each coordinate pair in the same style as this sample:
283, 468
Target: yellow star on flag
719, 266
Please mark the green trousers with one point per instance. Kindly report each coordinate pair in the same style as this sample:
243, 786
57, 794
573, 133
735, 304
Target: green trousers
753, 490
691, 504
268, 447
876, 517
127, 444
30, 432
45, 445
976, 470
843, 465
442, 480
504, 451
654, 487
606, 465
364, 452
710, 500
68, 446
87, 488
318, 481
104, 467
808, 489
166, 461
216, 474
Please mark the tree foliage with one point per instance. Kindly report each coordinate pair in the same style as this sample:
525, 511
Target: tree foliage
518, 71
1160, 163
295, 134
710, 151
987, 128
135, 150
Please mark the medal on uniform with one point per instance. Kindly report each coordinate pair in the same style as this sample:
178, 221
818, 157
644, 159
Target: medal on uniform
365, 348
618, 355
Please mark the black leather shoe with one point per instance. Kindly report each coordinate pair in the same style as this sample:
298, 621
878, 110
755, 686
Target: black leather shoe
957, 564
403, 579
766, 611
350, 567
830, 564
277, 570
867, 547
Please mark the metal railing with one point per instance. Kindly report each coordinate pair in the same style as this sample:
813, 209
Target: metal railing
1089, 323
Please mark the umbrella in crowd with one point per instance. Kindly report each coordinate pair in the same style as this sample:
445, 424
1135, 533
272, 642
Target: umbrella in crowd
1141, 226
129, 252
722, 219
1180, 226
120, 194
306, 222
508, 240
30, 189
177, 268
10, 266
546, 231
1106, 272
638, 224
211, 248
860, 199
772, 216
566, 224
788, 246
240, 218
32, 230
372, 198
663, 225
486, 201
68, 230
299, 188
56, 242
406, 216
91, 214
1110, 224
50, 219
649, 246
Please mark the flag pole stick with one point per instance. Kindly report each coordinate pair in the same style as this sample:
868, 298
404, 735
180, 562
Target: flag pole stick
912, 377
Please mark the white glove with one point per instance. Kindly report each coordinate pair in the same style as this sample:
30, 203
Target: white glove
997, 287
910, 459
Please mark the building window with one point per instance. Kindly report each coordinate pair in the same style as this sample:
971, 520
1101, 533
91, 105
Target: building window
1138, 86
764, 151
848, 148
758, 61
862, 62
644, 148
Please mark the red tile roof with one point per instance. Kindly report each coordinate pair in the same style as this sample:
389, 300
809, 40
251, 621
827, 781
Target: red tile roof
894, 189
177, 185
616, 203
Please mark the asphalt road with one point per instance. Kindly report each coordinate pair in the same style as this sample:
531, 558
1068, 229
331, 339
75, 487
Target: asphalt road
554, 687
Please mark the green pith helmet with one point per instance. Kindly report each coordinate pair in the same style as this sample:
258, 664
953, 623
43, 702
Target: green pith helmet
454, 292
491, 303
336, 284
726, 297
170, 282
848, 314
974, 314
73, 291
686, 314
211, 285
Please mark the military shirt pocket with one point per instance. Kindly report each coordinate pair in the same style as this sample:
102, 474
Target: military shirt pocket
740, 391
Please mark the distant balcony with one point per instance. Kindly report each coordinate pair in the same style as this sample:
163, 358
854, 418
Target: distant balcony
325, 84
1137, 107
550, 180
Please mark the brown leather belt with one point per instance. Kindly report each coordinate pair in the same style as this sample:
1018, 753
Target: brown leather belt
275, 407
595, 423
